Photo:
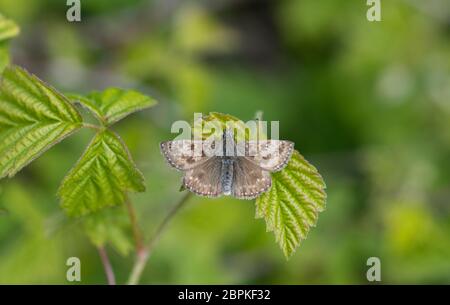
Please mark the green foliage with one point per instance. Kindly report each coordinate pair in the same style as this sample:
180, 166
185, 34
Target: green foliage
34, 247
33, 117
322, 69
113, 104
4, 55
175, 57
216, 121
197, 32
101, 177
109, 226
8, 28
291, 206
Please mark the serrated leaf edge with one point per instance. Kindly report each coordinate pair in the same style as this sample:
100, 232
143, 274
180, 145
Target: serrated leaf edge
270, 227
76, 124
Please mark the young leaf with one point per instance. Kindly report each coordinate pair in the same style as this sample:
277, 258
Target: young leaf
8, 28
109, 226
4, 55
101, 177
33, 117
217, 122
292, 204
113, 104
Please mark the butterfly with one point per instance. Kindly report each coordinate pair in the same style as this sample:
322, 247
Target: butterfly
224, 167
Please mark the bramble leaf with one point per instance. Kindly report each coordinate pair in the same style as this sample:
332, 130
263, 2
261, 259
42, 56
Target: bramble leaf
8, 28
110, 226
33, 117
215, 123
101, 177
292, 204
4, 55
113, 104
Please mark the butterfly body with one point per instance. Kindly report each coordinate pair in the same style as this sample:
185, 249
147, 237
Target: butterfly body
227, 175
241, 171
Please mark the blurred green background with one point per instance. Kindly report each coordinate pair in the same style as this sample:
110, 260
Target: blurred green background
368, 103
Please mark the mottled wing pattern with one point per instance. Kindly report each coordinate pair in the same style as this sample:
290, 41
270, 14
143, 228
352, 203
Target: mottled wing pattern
183, 154
251, 167
205, 179
270, 155
249, 180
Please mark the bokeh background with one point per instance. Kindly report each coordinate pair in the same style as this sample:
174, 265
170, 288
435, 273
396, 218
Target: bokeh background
368, 103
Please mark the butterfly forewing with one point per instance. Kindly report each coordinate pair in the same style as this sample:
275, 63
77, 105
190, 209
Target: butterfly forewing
204, 167
183, 154
270, 155
205, 179
249, 180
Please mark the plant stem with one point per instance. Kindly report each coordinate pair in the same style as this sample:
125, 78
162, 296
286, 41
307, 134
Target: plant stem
138, 267
107, 266
92, 126
137, 233
143, 255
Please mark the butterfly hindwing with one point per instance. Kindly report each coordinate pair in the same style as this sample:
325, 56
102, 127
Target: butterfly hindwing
205, 179
270, 155
251, 164
249, 180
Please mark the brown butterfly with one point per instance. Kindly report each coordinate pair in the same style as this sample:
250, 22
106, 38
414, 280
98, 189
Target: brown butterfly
241, 170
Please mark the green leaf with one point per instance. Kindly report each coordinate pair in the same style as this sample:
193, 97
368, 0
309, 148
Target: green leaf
110, 226
215, 123
101, 177
113, 104
33, 117
8, 28
4, 55
292, 204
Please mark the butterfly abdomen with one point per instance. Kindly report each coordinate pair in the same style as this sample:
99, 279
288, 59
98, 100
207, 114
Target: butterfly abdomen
227, 175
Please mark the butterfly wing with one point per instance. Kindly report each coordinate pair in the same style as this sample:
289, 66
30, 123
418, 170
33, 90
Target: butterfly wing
270, 155
251, 168
183, 154
249, 180
205, 178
